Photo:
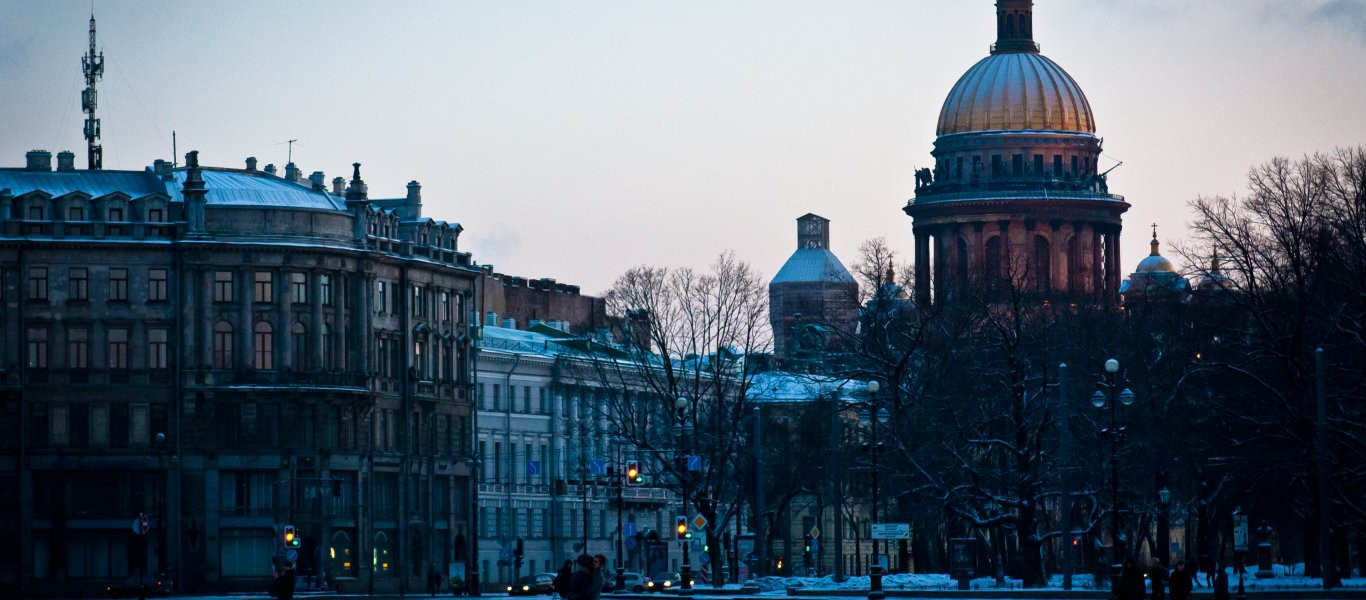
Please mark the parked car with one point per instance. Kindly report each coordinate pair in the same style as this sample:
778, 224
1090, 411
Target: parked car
142, 586
665, 581
635, 582
533, 585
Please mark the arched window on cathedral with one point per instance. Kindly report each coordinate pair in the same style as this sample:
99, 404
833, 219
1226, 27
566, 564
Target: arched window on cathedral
1042, 265
992, 263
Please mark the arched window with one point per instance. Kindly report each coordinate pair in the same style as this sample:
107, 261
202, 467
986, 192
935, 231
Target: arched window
380, 560
222, 345
263, 343
1042, 265
342, 554
298, 341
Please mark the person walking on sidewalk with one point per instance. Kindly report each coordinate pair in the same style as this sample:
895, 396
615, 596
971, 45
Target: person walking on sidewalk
1181, 582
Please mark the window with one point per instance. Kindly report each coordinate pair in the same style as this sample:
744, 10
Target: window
156, 348
526, 400
497, 396
118, 348
1038, 165
1057, 165
116, 215
325, 289
419, 301
37, 347
419, 353
118, 285
37, 283
156, 285
298, 339
156, 215
544, 409
1075, 172
78, 348
75, 213
263, 340
264, 286
78, 284
380, 289
329, 348
222, 345
298, 287
35, 213
445, 306
1017, 165
222, 286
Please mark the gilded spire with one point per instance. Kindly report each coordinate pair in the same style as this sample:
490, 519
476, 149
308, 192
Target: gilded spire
1154, 243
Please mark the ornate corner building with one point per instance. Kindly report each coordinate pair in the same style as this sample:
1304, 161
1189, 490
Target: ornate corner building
1015, 196
229, 351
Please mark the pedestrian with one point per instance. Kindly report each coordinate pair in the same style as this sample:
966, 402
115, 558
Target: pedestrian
433, 580
599, 575
1130, 581
581, 584
283, 586
1207, 565
1157, 576
1181, 582
562, 579
1220, 582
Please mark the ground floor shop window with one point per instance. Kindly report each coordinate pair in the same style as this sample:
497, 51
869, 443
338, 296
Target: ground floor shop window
342, 553
100, 554
381, 554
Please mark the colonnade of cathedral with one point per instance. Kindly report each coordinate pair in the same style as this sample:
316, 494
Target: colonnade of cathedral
1056, 260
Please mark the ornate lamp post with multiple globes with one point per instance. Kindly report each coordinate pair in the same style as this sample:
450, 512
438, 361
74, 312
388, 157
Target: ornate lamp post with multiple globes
1108, 393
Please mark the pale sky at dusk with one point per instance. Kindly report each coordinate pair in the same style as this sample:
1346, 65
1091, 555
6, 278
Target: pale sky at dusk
576, 139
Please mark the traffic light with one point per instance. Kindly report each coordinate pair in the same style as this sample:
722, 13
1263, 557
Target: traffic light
291, 537
681, 528
633, 473
518, 552
806, 548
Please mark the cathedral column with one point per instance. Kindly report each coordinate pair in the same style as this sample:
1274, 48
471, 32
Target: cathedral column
1097, 267
1060, 263
977, 256
1031, 275
1003, 270
922, 268
315, 331
955, 274
940, 266
1112, 263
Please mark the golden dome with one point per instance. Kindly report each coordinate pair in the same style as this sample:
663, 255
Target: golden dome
1016, 91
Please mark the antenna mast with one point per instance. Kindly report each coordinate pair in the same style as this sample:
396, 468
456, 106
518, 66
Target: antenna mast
93, 66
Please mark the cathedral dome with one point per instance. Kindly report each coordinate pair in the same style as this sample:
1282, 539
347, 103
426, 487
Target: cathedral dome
1155, 262
1016, 91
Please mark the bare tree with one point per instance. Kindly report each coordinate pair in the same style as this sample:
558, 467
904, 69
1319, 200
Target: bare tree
681, 375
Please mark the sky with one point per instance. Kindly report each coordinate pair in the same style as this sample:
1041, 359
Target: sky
574, 140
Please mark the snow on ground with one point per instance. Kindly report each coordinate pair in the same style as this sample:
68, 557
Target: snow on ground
1287, 577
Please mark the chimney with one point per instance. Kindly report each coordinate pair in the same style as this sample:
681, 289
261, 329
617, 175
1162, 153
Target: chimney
38, 160
251, 163
193, 191
338, 186
162, 169
414, 192
357, 191
292, 173
66, 160
270, 169
317, 179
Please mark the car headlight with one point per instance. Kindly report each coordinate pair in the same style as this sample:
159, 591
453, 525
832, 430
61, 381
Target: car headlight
667, 583
509, 588
692, 582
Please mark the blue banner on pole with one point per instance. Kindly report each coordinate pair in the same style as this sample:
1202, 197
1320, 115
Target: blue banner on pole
694, 462
533, 467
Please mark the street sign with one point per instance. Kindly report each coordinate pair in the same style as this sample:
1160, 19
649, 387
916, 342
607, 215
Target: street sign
628, 529
597, 466
699, 521
694, 462
1240, 532
533, 467
891, 531
815, 532
292, 555
504, 554
142, 524
630, 543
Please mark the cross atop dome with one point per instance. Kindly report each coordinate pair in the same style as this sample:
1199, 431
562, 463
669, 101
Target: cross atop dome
1014, 27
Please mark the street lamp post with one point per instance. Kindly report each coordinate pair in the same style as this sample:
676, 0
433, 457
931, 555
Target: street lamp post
621, 475
872, 415
681, 407
1109, 389
1164, 497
